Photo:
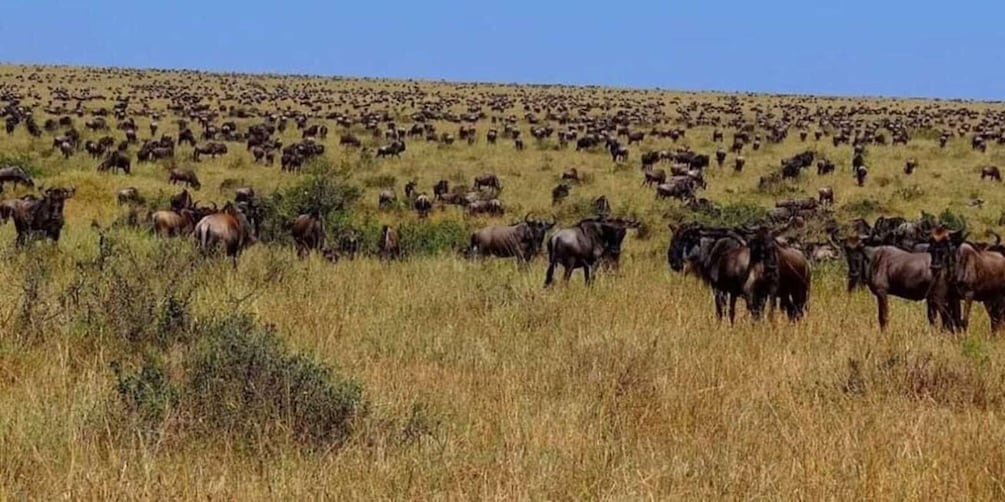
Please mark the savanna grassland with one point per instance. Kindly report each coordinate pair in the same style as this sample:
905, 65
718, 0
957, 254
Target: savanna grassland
132, 367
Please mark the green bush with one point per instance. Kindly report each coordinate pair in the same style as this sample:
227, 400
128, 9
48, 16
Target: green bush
321, 191
952, 220
244, 381
148, 395
427, 237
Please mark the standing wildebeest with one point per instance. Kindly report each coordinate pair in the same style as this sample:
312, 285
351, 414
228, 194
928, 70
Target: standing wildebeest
719, 257
16, 176
826, 196
602, 206
720, 156
861, 172
410, 189
570, 174
653, 176
37, 216
171, 223
308, 233
521, 240
559, 193
440, 189
487, 180
975, 273
350, 140
129, 195
618, 153
738, 164
776, 273
229, 228
386, 198
394, 149
584, 246
991, 172
389, 246
423, 205
184, 175
825, 166
116, 160
181, 200
910, 166
889, 270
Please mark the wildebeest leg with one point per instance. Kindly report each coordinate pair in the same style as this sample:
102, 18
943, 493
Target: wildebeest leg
933, 312
968, 303
567, 272
720, 304
549, 277
732, 308
883, 307
586, 274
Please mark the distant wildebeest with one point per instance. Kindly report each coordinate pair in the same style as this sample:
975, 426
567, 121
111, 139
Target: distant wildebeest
308, 233
618, 153
602, 206
585, 246
491, 207
653, 176
570, 174
825, 166
487, 180
440, 189
423, 205
650, 158
350, 140
720, 156
15, 175
386, 198
228, 228
518, 144
116, 160
678, 187
392, 150
861, 173
410, 189
129, 195
738, 164
888, 270
991, 172
910, 165
211, 149
184, 175
389, 246
173, 224
521, 240
826, 196
559, 193
348, 244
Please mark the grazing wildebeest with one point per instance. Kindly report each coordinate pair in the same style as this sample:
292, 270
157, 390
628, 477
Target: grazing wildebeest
488, 180
386, 198
492, 206
889, 270
585, 245
720, 156
423, 205
394, 149
116, 160
244, 194
991, 172
171, 223
308, 233
826, 196
389, 246
739, 163
678, 187
653, 176
521, 240
16, 176
129, 195
825, 166
184, 175
350, 140
570, 174
211, 149
974, 273
559, 193
229, 228
181, 200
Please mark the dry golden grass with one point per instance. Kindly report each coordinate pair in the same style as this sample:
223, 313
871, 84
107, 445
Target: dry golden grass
626, 390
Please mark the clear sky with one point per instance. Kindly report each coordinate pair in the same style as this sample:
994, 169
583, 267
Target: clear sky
848, 47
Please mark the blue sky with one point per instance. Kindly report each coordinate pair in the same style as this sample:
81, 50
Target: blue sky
848, 47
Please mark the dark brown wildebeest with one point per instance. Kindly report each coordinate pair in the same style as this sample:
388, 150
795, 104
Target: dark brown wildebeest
717, 136
181, 200
487, 180
116, 160
602, 206
678, 187
636, 137
520, 240
35, 216
975, 272
94, 149
861, 172
348, 243
386, 198
570, 174
423, 205
910, 166
184, 175
825, 166
559, 193
518, 144
350, 140
129, 195
826, 196
653, 176
492, 207
618, 153
186, 136
650, 158
410, 189
16, 176
776, 273
229, 228
739, 163
308, 233
440, 189
391, 150
244, 194
66, 148
991, 172
720, 156
585, 246
389, 246
889, 270
211, 149
718, 256
491, 136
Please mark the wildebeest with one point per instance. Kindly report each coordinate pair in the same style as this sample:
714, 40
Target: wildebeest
228, 228
37, 216
976, 274
491, 206
776, 273
653, 176
423, 205
116, 160
861, 173
308, 233
602, 206
520, 240
738, 164
585, 245
410, 189
394, 149
389, 246
824, 166
386, 198
678, 187
889, 270
826, 196
211, 149
129, 195
184, 175
487, 180
570, 174
350, 140
991, 172
171, 223
16, 176
910, 165
559, 193
440, 189
718, 256
720, 156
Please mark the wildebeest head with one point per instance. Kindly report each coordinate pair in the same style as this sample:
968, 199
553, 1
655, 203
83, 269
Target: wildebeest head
684, 245
942, 246
858, 262
534, 234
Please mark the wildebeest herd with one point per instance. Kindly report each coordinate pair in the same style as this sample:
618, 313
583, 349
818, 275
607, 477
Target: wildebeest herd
759, 261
